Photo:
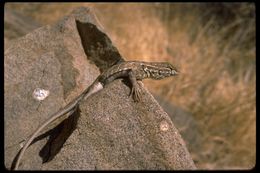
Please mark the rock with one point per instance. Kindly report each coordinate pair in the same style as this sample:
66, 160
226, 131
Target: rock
184, 122
108, 130
17, 25
123, 134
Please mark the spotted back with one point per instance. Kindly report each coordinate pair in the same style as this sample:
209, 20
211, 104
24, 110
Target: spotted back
142, 70
159, 70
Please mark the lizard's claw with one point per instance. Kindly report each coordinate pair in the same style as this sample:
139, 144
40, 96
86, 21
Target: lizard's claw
136, 93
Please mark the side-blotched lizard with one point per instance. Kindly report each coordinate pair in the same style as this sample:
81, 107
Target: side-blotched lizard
134, 70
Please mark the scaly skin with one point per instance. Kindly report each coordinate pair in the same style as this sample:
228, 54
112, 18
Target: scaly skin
134, 70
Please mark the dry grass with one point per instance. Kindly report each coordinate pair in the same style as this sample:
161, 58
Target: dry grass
213, 45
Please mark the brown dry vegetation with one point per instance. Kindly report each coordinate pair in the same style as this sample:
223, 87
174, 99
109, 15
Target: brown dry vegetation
213, 45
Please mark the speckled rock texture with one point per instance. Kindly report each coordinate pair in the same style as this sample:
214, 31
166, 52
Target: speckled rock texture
108, 131
17, 25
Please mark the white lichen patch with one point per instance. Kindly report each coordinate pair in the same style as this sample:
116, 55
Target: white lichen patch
40, 94
164, 126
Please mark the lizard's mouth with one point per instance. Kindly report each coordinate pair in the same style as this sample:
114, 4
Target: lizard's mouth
174, 72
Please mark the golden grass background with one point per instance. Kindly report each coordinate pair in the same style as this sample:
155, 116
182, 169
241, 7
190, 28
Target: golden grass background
213, 46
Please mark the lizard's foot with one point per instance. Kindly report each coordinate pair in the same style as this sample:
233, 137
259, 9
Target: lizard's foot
136, 92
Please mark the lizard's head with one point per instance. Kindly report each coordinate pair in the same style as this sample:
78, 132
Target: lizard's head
160, 70
173, 70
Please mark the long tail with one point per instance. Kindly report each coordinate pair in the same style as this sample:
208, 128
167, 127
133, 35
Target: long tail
95, 87
67, 109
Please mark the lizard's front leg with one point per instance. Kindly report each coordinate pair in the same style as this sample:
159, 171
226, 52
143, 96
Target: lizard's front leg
135, 90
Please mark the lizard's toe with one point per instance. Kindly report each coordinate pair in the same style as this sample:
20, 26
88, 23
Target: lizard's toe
137, 94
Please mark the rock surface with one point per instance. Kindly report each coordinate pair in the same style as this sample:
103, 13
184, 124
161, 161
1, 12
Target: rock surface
108, 130
17, 25
184, 122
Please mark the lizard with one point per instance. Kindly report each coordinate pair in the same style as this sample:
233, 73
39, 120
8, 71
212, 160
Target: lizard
133, 70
